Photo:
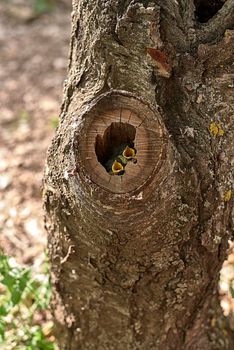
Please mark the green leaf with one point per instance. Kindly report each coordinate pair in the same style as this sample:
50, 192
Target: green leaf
2, 330
3, 310
24, 279
16, 296
30, 294
9, 281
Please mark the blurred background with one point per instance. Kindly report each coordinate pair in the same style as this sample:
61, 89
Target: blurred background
34, 47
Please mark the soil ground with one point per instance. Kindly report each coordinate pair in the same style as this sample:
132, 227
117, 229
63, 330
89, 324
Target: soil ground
34, 49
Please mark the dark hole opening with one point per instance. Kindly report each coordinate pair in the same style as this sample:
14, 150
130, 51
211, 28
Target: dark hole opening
116, 147
206, 9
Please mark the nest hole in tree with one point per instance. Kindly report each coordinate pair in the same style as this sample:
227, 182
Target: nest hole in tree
117, 140
206, 9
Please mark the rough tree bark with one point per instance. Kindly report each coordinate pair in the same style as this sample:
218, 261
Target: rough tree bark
136, 258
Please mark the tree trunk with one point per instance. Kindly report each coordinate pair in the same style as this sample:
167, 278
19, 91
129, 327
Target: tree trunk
136, 257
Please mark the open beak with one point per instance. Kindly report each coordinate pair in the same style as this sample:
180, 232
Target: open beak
117, 168
129, 153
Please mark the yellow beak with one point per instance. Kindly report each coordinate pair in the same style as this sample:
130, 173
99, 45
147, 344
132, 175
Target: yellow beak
117, 167
129, 153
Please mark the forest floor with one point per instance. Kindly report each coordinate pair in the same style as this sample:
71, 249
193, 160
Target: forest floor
34, 48
34, 55
34, 45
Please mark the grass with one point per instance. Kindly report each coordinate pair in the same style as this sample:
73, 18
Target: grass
24, 300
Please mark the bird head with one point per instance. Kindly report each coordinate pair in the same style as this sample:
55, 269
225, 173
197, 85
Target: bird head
117, 168
129, 152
